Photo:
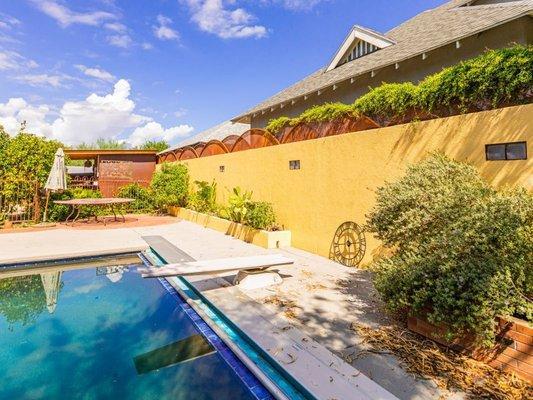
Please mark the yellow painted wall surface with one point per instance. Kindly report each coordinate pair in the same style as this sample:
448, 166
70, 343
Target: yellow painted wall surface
339, 174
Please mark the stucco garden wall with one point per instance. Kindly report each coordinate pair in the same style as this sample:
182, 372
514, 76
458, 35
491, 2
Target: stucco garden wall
339, 174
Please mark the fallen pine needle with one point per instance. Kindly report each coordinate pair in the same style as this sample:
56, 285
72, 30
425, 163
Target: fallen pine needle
449, 369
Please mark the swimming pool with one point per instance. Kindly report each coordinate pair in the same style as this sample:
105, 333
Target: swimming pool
100, 331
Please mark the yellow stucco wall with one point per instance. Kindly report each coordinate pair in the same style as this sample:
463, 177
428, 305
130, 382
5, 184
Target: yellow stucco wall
339, 174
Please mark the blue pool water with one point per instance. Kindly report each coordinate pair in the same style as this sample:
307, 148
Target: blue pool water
105, 333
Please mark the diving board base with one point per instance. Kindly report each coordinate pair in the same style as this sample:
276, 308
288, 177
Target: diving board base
250, 280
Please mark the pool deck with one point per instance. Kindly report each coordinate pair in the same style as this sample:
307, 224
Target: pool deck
318, 299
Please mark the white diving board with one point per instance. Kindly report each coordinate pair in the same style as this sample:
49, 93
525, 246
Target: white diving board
215, 266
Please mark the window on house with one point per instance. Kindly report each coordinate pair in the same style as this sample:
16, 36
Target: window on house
221, 168
506, 151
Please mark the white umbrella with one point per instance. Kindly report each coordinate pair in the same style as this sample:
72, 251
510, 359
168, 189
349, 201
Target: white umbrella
57, 180
51, 284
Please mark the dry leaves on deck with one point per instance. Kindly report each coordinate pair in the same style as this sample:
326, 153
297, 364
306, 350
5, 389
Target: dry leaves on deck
447, 368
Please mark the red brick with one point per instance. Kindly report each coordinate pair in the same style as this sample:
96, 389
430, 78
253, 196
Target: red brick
507, 360
524, 348
524, 328
525, 375
520, 337
518, 355
525, 367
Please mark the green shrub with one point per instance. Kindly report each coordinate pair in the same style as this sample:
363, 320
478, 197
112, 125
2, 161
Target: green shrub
143, 198
462, 251
325, 112
205, 197
59, 212
239, 205
496, 77
277, 124
260, 215
388, 100
170, 186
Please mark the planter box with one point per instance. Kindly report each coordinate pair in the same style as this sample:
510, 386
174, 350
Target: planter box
266, 239
513, 351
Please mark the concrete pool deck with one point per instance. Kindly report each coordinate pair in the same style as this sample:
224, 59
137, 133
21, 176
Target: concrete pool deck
318, 298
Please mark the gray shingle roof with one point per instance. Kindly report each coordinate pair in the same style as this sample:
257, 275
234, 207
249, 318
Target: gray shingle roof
217, 132
426, 31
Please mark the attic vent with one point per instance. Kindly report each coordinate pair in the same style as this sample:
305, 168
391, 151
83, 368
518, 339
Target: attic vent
359, 42
361, 49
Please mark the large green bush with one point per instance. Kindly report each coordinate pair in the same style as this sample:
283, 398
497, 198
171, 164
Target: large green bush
492, 79
170, 186
388, 101
60, 212
496, 77
143, 198
462, 251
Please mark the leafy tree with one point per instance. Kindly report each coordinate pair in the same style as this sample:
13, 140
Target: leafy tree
22, 299
170, 185
159, 146
26, 159
462, 251
110, 144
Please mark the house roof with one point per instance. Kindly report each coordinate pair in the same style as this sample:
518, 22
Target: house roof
93, 154
217, 132
426, 31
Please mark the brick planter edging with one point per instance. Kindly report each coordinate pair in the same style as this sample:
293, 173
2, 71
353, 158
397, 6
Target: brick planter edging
513, 351
266, 239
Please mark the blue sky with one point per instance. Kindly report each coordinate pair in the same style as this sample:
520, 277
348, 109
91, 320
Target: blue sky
77, 70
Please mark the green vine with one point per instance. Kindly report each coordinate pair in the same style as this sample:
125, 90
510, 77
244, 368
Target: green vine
493, 79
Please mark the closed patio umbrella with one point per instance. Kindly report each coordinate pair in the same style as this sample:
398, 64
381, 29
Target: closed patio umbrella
51, 284
57, 180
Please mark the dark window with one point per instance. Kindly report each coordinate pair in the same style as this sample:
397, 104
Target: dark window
506, 151
294, 164
222, 168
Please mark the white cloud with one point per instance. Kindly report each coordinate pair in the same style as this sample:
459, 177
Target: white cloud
17, 110
123, 41
163, 31
59, 80
116, 27
14, 61
98, 116
181, 113
65, 16
296, 5
147, 46
212, 16
154, 131
8, 22
111, 116
97, 73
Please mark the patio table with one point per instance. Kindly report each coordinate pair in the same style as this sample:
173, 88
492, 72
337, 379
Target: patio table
78, 204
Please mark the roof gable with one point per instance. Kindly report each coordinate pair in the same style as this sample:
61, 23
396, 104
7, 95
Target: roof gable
371, 41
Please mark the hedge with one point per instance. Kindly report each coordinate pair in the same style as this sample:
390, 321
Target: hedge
462, 252
493, 79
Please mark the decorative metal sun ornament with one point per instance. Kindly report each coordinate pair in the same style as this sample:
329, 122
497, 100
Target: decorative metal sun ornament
349, 244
